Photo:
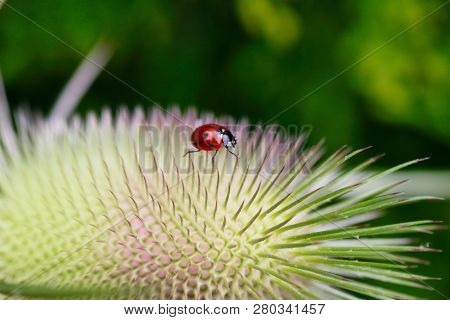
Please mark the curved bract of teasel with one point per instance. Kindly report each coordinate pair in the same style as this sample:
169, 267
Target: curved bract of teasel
107, 207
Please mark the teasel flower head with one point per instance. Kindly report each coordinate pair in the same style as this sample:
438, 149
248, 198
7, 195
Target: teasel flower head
106, 206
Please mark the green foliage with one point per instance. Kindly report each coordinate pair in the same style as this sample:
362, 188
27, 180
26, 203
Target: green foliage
257, 56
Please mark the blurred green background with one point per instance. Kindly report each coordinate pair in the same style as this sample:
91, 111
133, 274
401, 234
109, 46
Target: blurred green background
254, 58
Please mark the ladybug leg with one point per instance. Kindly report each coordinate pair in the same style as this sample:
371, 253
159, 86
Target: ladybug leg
214, 156
234, 154
191, 151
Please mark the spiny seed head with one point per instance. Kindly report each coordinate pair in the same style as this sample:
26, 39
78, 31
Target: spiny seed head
109, 208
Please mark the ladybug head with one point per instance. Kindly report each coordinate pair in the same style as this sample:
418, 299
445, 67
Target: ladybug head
228, 138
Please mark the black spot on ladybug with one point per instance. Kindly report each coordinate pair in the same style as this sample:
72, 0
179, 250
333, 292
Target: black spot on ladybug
205, 134
194, 143
210, 145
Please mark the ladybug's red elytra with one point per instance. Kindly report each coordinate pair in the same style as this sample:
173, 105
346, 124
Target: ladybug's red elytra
211, 137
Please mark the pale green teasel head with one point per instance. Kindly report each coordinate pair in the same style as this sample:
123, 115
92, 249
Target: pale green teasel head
103, 208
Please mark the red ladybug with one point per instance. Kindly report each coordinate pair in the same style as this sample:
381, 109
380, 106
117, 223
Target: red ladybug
210, 137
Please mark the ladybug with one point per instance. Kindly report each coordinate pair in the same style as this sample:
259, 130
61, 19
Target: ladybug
212, 137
